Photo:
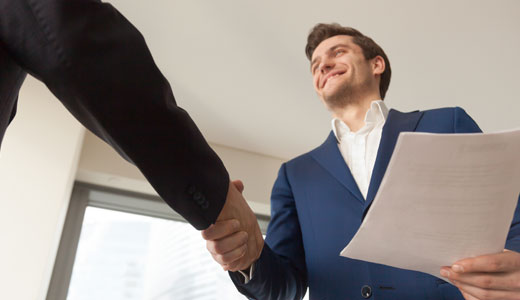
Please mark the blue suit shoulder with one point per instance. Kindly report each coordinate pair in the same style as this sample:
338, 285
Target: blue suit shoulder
438, 120
447, 120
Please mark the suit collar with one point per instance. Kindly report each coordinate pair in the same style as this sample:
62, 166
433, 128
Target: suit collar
329, 156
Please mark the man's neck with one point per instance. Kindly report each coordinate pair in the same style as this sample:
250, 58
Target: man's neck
354, 114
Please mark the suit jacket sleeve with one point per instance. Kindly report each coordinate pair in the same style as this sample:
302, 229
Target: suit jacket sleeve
465, 124
280, 272
100, 68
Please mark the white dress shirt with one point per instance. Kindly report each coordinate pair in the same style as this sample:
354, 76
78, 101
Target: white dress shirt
359, 149
247, 277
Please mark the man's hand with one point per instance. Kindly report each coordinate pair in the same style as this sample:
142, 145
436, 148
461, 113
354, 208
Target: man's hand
235, 240
495, 276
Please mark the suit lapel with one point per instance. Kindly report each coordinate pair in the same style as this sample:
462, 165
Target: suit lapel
329, 157
396, 123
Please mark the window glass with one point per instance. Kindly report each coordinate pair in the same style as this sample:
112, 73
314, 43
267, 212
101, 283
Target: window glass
129, 256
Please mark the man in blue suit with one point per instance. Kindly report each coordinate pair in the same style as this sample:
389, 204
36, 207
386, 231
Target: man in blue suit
319, 199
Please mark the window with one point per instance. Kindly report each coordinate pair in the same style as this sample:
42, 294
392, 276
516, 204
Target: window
127, 256
118, 245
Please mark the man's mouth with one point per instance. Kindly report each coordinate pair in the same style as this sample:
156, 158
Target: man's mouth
331, 76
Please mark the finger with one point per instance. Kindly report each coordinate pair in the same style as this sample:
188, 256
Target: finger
226, 260
501, 262
467, 296
221, 229
497, 281
255, 243
239, 185
487, 294
227, 243
239, 265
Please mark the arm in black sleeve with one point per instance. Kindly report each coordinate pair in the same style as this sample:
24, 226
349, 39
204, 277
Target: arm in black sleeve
98, 65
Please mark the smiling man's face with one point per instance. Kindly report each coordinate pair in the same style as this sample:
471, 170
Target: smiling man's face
340, 71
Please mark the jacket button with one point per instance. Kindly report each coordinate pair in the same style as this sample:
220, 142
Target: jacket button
198, 197
191, 189
366, 291
205, 205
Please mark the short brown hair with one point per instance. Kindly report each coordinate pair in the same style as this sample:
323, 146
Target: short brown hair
370, 49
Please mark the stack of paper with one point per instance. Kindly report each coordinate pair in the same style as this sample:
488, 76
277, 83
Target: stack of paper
444, 197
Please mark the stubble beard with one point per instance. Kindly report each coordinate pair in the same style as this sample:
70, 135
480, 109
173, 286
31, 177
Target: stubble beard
344, 96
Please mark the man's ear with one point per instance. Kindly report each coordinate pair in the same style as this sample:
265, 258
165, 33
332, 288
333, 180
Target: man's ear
378, 65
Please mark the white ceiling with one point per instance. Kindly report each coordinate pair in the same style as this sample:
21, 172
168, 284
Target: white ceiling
238, 66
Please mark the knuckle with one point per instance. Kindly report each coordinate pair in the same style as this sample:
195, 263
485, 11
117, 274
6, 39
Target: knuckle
219, 258
205, 234
224, 260
209, 246
218, 248
235, 225
486, 282
495, 265
244, 236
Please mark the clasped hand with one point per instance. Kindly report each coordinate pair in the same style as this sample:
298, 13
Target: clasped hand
495, 276
235, 240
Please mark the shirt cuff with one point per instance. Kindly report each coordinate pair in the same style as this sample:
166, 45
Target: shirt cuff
247, 277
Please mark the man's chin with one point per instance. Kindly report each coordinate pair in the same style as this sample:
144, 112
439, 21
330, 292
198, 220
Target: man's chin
337, 99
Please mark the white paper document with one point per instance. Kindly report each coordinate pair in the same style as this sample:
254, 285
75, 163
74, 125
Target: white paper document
444, 197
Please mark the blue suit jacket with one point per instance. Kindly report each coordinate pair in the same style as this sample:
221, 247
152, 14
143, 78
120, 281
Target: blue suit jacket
316, 208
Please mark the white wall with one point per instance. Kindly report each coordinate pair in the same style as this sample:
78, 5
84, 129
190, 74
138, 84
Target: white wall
38, 163
101, 165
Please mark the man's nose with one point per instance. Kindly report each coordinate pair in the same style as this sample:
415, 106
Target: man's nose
326, 66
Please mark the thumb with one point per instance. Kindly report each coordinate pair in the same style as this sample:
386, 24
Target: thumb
239, 185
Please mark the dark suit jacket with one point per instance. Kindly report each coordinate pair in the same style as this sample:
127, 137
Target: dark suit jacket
316, 208
98, 65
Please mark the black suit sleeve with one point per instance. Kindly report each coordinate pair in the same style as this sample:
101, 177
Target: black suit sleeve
100, 68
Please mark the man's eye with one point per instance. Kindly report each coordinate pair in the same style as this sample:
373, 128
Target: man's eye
338, 52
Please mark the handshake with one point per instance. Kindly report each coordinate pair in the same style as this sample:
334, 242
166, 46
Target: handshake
235, 240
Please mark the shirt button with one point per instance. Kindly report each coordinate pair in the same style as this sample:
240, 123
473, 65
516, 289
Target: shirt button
366, 291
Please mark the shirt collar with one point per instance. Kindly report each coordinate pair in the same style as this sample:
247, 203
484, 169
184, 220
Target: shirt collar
378, 112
